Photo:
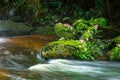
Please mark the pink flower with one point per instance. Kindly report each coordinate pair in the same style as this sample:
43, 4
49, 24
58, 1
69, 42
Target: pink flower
69, 26
96, 26
59, 23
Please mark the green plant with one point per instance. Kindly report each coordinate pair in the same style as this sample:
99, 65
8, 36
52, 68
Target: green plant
102, 22
90, 50
80, 29
88, 29
115, 54
64, 30
116, 40
90, 33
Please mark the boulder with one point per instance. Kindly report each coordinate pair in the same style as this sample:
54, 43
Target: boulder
59, 49
72, 49
10, 28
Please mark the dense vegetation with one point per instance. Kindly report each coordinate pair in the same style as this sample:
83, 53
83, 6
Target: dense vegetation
94, 22
45, 14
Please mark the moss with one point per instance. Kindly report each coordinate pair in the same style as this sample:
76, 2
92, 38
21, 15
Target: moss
115, 53
60, 49
73, 49
116, 40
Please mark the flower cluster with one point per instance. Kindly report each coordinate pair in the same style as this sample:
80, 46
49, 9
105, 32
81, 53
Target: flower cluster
68, 25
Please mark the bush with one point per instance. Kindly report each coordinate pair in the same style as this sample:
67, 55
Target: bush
102, 22
116, 40
90, 50
64, 30
80, 29
115, 53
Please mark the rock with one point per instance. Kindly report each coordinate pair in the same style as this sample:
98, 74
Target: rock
60, 49
71, 49
10, 28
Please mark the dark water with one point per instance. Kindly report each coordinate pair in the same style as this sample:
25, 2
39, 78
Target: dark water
23, 63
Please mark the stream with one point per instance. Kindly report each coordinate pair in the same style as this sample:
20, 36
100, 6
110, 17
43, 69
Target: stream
20, 60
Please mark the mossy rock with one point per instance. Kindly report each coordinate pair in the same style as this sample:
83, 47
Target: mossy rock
10, 28
71, 49
63, 31
60, 49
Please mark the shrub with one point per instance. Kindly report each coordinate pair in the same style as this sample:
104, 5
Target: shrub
115, 53
102, 22
90, 50
80, 29
116, 40
64, 30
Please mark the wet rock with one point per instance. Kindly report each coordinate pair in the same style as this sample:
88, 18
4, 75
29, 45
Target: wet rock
10, 28
72, 49
60, 49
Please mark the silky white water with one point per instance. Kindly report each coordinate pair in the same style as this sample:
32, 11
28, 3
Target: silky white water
77, 70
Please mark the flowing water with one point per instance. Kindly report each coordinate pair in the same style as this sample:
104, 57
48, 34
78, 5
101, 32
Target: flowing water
20, 60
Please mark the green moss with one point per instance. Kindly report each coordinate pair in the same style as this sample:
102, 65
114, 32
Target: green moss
74, 43
57, 50
117, 40
73, 48
115, 54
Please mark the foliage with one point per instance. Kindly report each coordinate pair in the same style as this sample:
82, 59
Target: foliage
25, 9
115, 54
102, 22
87, 48
91, 50
44, 30
116, 40
64, 30
85, 29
